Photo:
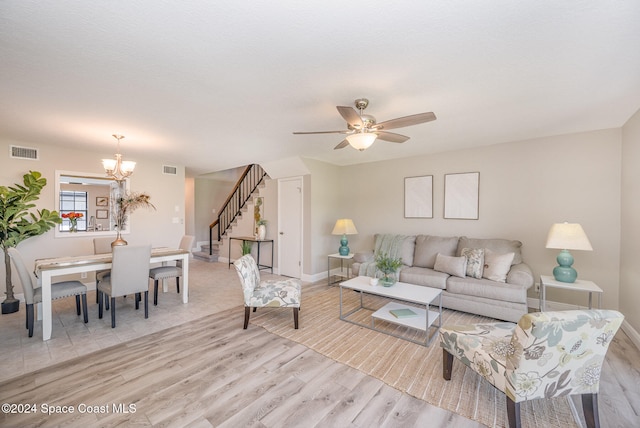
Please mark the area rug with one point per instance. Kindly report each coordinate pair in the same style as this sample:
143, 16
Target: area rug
406, 366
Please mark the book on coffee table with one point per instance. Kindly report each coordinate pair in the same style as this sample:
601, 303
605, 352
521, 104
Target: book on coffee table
403, 313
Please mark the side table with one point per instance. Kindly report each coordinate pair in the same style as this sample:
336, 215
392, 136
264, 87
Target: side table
259, 243
344, 270
580, 285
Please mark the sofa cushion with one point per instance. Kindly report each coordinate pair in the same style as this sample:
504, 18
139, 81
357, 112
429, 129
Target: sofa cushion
424, 276
487, 289
496, 266
456, 266
475, 261
428, 247
500, 246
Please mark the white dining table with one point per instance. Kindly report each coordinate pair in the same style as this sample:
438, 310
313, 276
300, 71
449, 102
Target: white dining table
46, 269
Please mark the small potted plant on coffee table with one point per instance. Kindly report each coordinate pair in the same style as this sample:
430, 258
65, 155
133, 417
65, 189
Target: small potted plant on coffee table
388, 266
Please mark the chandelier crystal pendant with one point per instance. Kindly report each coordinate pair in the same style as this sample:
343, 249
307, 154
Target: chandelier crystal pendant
117, 168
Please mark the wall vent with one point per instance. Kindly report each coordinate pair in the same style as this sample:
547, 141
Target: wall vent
170, 170
18, 152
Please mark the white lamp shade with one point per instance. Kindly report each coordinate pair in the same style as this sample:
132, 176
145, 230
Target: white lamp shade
127, 166
362, 140
344, 226
568, 236
109, 164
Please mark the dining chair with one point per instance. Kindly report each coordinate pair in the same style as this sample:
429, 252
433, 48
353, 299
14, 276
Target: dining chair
33, 292
545, 355
166, 272
129, 275
271, 293
101, 246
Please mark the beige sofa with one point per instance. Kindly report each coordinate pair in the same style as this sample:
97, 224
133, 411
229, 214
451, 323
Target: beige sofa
498, 283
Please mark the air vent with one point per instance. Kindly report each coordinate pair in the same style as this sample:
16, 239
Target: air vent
17, 152
170, 170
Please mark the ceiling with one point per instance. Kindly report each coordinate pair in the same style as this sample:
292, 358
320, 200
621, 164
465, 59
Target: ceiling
215, 85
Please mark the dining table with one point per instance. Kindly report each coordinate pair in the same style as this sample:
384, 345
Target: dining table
46, 269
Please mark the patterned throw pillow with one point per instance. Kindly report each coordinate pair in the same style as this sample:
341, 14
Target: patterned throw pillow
475, 261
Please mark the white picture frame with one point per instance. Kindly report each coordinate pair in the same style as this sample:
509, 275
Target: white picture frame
462, 196
418, 197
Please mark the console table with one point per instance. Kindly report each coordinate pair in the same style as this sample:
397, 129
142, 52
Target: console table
259, 244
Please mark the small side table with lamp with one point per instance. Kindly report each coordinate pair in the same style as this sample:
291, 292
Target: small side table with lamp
565, 237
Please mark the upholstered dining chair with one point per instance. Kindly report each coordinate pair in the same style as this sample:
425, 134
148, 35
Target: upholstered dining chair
545, 355
129, 275
271, 293
33, 292
166, 272
101, 246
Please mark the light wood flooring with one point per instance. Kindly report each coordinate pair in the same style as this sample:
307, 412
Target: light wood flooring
209, 372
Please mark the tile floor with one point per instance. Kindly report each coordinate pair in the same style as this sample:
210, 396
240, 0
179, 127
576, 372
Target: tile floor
213, 287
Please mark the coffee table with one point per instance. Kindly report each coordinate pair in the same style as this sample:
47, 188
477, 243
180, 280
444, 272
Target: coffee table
400, 294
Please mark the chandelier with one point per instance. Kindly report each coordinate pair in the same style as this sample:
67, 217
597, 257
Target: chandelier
117, 168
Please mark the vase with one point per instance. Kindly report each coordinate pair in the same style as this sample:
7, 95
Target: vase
388, 279
73, 227
119, 241
262, 232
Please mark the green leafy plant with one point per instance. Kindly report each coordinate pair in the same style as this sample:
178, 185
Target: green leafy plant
18, 222
262, 222
388, 266
246, 247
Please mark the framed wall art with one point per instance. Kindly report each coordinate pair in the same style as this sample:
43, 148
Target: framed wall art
418, 197
102, 201
461, 195
101, 214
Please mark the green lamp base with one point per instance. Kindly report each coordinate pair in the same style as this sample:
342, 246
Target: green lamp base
564, 272
344, 246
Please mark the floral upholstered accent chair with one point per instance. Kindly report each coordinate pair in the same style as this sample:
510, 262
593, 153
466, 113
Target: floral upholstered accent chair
270, 293
545, 355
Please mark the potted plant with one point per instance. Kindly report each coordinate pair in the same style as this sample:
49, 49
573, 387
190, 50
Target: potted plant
388, 266
18, 222
246, 247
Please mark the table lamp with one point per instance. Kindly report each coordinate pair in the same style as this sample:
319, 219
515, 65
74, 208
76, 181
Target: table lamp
567, 236
344, 227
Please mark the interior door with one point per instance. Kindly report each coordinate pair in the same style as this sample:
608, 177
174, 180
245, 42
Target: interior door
290, 226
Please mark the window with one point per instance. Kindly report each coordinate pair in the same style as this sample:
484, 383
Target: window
71, 201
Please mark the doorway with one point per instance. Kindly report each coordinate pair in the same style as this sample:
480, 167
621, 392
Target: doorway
290, 226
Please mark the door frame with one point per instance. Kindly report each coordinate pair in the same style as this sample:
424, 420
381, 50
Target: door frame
300, 179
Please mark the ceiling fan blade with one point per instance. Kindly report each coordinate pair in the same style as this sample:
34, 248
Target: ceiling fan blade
351, 116
322, 132
391, 137
342, 145
406, 121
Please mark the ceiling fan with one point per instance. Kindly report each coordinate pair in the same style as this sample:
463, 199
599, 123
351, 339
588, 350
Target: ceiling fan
363, 129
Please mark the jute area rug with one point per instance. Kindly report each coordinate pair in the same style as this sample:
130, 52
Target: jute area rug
408, 367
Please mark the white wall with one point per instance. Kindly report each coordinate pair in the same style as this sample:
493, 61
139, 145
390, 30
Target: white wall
524, 188
630, 243
147, 226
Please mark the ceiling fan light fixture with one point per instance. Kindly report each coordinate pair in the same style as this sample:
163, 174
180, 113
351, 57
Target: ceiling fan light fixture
361, 140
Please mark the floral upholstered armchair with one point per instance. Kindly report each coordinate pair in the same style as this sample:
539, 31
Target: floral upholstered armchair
545, 355
270, 293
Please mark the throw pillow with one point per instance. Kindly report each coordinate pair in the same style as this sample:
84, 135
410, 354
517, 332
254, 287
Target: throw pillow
475, 261
456, 266
496, 266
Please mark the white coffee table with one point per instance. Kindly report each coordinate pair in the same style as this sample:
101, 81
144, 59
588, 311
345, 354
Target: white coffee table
401, 293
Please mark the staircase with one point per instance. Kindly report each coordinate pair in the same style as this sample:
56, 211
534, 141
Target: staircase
251, 179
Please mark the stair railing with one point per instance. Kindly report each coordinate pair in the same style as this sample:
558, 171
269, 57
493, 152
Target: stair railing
248, 182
